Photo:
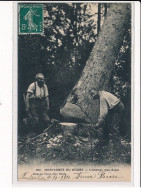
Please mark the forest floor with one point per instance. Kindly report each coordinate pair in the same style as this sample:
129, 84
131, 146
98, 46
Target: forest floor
53, 145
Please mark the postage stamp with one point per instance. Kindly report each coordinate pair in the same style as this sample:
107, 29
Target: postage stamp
30, 18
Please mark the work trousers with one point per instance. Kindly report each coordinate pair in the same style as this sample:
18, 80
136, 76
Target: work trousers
113, 121
38, 114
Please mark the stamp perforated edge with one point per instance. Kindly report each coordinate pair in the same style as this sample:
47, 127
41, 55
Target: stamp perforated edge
18, 19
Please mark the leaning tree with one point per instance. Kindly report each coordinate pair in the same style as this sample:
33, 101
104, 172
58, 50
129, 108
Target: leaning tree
98, 69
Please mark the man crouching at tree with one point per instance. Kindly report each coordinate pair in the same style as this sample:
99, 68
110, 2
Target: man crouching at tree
111, 111
37, 104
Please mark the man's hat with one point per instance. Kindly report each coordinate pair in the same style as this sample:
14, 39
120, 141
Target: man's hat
39, 75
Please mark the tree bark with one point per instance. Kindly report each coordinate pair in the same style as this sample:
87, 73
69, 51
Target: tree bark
97, 72
99, 18
105, 9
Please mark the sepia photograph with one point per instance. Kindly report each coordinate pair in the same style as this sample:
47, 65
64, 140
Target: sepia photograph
74, 91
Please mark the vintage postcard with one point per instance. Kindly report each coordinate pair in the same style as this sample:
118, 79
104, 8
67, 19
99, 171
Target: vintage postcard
74, 88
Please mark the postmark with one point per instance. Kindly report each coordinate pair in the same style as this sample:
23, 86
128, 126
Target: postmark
30, 18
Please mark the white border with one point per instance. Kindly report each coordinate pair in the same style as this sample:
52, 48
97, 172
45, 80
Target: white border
15, 89
136, 94
5, 93
135, 134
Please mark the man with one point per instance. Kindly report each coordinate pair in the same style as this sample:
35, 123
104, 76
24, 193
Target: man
37, 103
111, 111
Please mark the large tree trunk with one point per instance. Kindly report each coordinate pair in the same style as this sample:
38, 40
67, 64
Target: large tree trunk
99, 66
99, 18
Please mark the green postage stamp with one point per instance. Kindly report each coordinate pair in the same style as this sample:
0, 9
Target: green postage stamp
30, 18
